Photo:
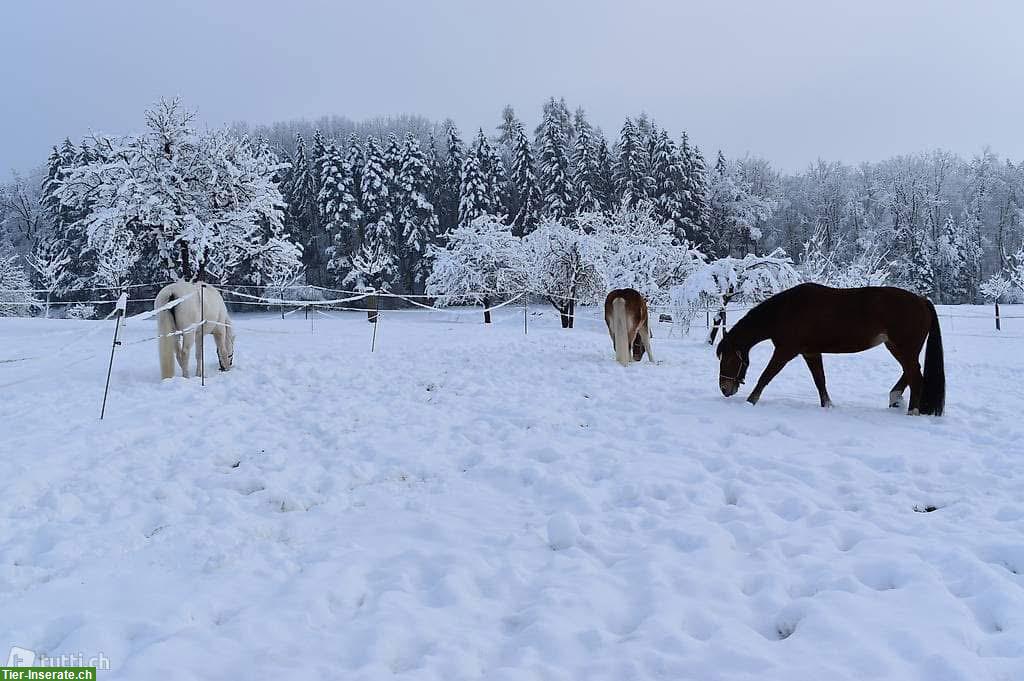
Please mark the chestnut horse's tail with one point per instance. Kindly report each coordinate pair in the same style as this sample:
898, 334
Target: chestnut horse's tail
933, 394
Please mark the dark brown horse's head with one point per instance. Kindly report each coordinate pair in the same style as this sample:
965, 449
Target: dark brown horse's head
733, 363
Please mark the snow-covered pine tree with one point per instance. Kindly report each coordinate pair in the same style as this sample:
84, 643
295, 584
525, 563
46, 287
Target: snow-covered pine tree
339, 209
493, 172
416, 219
604, 174
299, 190
450, 180
67, 235
555, 112
631, 179
523, 184
553, 166
315, 252
917, 272
695, 207
345, 212
473, 198
958, 260
669, 185
584, 164
375, 264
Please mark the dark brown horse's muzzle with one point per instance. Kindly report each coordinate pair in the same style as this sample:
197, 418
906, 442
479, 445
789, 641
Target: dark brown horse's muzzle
729, 387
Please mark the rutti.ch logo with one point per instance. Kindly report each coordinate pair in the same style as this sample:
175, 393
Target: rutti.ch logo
23, 657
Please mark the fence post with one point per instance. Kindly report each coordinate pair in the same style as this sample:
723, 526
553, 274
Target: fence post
202, 333
376, 321
997, 316
122, 305
526, 309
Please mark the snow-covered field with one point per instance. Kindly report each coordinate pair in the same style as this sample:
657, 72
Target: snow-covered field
471, 503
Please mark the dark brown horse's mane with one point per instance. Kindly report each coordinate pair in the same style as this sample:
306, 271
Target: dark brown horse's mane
744, 332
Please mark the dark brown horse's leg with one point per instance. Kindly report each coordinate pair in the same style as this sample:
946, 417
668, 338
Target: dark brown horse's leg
779, 359
896, 394
911, 376
818, 372
912, 372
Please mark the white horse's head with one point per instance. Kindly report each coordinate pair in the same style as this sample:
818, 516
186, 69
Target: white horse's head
226, 353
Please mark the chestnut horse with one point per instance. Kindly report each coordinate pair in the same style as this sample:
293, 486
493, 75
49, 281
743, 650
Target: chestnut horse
811, 319
625, 313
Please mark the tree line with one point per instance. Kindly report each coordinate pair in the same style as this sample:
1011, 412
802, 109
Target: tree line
371, 205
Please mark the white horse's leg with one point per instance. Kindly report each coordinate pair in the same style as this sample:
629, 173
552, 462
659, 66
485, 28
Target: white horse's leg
185, 350
200, 347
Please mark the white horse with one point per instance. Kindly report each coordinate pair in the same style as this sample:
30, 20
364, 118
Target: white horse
178, 326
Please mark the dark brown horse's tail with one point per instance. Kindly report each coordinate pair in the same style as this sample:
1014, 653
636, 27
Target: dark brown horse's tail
933, 394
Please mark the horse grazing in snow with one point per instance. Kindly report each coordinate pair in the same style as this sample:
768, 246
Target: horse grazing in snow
179, 324
811, 319
625, 313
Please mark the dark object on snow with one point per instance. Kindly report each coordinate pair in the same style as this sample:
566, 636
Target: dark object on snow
665, 318
812, 320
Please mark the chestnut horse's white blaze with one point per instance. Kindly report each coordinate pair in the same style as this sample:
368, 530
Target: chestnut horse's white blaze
186, 317
625, 313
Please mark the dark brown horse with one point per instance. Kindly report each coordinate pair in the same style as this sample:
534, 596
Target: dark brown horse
811, 319
625, 313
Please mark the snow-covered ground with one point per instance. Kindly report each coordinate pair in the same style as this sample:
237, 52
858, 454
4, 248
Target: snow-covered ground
471, 503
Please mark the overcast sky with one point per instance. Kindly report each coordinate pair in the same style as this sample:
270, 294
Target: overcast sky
789, 80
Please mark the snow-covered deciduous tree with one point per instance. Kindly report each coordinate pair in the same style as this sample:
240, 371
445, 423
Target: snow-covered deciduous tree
735, 210
51, 271
830, 266
640, 252
564, 264
481, 262
996, 289
16, 297
714, 285
191, 202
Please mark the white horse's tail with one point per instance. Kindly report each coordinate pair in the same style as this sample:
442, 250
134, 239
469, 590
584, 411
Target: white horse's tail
166, 325
620, 329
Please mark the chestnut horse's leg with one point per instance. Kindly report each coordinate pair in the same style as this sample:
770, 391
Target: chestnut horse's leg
645, 337
818, 372
779, 359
